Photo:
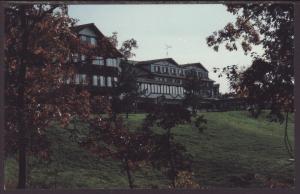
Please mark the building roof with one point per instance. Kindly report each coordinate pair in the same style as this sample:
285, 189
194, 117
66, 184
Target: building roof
195, 64
105, 45
78, 28
148, 62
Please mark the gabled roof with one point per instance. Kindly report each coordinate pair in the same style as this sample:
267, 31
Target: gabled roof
105, 43
142, 63
92, 26
195, 64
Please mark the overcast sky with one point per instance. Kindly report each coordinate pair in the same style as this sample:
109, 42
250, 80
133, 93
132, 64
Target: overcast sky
184, 27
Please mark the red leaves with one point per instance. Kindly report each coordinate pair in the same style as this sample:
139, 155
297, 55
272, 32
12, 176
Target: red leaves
42, 47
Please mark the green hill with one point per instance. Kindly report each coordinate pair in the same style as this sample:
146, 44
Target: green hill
234, 146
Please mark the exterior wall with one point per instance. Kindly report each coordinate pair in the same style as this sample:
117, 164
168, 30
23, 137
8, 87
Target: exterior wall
98, 74
167, 68
201, 73
167, 79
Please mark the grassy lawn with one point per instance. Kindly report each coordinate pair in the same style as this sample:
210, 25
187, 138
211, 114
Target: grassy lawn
233, 145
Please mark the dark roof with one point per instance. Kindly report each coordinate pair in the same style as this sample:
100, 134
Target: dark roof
106, 45
142, 63
78, 28
195, 64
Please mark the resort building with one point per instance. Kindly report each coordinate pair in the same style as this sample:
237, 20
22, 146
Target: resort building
100, 70
158, 78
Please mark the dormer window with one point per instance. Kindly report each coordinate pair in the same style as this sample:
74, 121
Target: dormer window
88, 39
199, 74
172, 70
83, 38
93, 41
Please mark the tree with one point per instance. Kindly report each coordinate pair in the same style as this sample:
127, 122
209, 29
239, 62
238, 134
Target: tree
192, 86
126, 47
128, 86
127, 90
109, 138
38, 39
270, 78
166, 152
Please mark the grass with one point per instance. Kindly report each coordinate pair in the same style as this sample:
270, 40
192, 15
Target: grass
232, 145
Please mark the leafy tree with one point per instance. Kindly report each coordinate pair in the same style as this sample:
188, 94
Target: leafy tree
112, 139
192, 86
38, 41
270, 78
128, 86
168, 154
127, 89
126, 47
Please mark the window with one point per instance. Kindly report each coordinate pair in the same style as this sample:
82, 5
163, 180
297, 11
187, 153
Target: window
111, 62
80, 79
82, 57
93, 41
68, 80
165, 69
156, 88
77, 79
95, 80
98, 80
180, 72
75, 57
83, 38
173, 71
98, 61
152, 68
101, 81
109, 83
142, 86
88, 39
115, 81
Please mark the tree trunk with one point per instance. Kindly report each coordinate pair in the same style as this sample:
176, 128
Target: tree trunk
172, 165
21, 127
129, 176
22, 130
287, 142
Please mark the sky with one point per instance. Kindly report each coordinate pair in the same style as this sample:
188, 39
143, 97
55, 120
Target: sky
183, 27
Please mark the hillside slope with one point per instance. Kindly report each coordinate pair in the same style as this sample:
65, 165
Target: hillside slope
233, 147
